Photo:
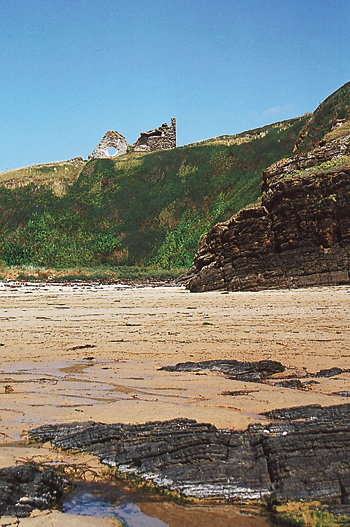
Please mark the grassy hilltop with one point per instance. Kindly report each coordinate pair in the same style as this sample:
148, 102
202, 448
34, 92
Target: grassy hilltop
330, 112
139, 209
57, 176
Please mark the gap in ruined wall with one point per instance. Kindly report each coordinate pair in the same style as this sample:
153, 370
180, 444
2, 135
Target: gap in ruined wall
112, 151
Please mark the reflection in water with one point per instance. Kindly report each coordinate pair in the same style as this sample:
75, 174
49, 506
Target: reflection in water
137, 509
94, 500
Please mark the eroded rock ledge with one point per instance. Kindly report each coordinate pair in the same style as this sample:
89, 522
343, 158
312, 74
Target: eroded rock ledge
303, 453
299, 235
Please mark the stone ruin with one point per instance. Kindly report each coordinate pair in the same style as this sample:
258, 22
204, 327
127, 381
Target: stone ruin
162, 138
110, 140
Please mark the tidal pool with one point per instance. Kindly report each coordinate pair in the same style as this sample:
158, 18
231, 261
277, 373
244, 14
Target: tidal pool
139, 509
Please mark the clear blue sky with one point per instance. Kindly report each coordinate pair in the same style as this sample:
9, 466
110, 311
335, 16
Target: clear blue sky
71, 70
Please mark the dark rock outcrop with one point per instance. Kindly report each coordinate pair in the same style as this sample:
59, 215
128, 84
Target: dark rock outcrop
295, 384
182, 455
25, 488
252, 371
331, 372
304, 453
234, 369
299, 235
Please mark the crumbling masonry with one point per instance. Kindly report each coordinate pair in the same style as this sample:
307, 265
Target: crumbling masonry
110, 140
162, 138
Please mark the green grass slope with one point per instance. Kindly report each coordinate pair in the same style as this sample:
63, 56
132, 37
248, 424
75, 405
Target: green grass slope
57, 176
138, 209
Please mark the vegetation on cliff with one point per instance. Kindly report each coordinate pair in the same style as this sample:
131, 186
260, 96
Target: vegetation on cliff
138, 209
328, 114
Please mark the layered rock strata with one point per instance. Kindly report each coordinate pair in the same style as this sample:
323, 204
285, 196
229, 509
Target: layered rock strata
304, 453
298, 236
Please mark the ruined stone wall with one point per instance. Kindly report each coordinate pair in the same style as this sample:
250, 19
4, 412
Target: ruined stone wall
162, 138
111, 139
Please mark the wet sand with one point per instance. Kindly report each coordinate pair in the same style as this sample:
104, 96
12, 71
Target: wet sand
56, 519
93, 352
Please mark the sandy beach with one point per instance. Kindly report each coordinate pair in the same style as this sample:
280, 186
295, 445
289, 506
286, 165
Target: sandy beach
93, 352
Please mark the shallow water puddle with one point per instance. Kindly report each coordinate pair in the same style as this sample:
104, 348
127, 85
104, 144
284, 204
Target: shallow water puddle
139, 509
92, 500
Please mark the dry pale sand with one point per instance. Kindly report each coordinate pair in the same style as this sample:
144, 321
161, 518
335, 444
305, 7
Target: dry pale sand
93, 352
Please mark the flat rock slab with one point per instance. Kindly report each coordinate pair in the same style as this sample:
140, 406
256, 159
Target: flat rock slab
303, 453
237, 370
251, 371
25, 488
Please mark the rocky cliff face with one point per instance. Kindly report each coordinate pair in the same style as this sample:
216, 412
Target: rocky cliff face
298, 236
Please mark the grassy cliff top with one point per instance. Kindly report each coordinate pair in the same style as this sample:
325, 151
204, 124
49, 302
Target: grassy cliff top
57, 175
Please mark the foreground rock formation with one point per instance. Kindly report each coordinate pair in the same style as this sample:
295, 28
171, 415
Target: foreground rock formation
299, 235
303, 453
25, 488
